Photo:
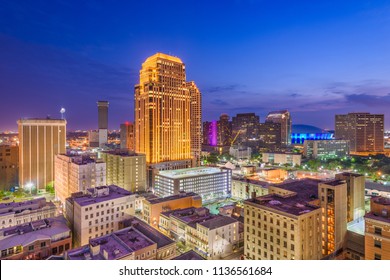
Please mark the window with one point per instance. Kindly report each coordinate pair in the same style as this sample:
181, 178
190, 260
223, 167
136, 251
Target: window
67, 246
54, 251
377, 257
31, 247
378, 230
43, 244
377, 244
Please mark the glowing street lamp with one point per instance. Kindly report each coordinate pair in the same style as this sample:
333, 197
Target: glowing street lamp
29, 186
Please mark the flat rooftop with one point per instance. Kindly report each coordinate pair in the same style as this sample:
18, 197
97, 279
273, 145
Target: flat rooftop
157, 200
123, 153
334, 183
189, 256
90, 198
18, 207
304, 186
251, 181
304, 192
218, 221
294, 205
150, 232
351, 174
190, 215
29, 233
189, 172
121, 243
374, 216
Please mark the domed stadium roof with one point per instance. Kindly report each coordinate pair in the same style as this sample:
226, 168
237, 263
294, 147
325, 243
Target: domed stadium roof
303, 128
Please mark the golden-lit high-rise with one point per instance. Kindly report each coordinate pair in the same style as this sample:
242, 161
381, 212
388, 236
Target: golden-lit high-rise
196, 121
163, 110
40, 140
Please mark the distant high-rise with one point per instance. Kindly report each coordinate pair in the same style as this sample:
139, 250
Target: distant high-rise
283, 117
224, 130
40, 140
196, 121
364, 131
127, 136
103, 122
270, 134
163, 110
245, 127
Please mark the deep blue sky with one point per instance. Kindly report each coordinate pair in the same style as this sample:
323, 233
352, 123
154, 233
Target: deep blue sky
315, 58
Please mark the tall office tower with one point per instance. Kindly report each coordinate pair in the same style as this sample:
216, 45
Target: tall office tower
196, 122
162, 110
224, 130
333, 200
127, 136
355, 192
210, 133
245, 127
103, 122
270, 135
77, 174
283, 117
364, 131
377, 233
9, 167
125, 169
40, 140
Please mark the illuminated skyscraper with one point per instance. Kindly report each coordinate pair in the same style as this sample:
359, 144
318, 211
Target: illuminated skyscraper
196, 122
40, 140
163, 110
283, 117
363, 130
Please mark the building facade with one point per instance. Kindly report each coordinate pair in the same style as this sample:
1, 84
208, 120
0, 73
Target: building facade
136, 241
103, 122
243, 188
282, 158
285, 224
162, 110
196, 122
356, 184
377, 230
36, 240
127, 136
125, 169
153, 207
364, 131
40, 141
9, 167
17, 213
98, 212
77, 174
325, 148
333, 200
284, 119
245, 127
208, 182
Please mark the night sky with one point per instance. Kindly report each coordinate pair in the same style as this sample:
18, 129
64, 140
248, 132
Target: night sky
314, 58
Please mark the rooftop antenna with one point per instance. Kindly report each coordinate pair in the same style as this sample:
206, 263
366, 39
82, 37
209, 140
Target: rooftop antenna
62, 111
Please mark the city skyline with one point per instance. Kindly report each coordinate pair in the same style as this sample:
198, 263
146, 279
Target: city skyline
246, 56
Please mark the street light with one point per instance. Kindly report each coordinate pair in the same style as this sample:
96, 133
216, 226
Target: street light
29, 186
